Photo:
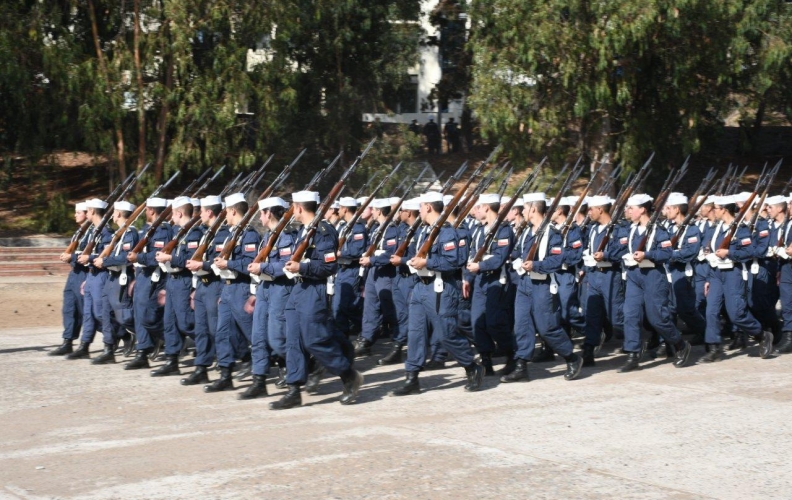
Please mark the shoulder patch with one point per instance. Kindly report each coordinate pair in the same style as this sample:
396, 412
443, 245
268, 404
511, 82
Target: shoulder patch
358, 236
449, 246
218, 248
462, 242
693, 239
159, 244
555, 251
192, 244
745, 241
330, 257
126, 246
285, 251
764, 234
665, 244
577, 244
390, 243
503, 242
623, 240
250, 247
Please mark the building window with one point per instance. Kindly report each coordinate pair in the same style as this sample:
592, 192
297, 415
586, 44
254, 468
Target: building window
403, 99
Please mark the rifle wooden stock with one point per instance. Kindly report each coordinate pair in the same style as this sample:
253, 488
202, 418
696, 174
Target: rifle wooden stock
121, 230
78, 235
206, 240
171, 245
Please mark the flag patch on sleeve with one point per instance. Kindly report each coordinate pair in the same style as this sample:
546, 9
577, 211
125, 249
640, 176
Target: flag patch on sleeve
745, 241
126, 246
665, 244
159, 244
556, 251
284, 251
449, 246
692, 239
357, 237
192, 244
462, 243
764, 234
330, 257
623, 241
503, 242
390, 243
577, 244
250, 247
218, 248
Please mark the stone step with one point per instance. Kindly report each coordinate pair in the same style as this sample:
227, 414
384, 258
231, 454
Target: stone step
29, 257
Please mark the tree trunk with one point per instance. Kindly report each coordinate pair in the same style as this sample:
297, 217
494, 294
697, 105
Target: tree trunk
141, 103
162, 123
119, 133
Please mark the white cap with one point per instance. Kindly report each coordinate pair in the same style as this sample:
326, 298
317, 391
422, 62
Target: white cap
95, 203
380, 202
305, 196
335, 206
488, 198
710, 199
211, 200
677, 199
506, 199
394, 200
361, 200
724, 200
168, 202
124, 206
568, 201
775, 200
598, 201
411, 204
156, 202
447, 199
81, 206
348, 201
181, 201
701, 198
272, 201
742, 197
531, 197
233, 199
638, 199
196, 202
430, 197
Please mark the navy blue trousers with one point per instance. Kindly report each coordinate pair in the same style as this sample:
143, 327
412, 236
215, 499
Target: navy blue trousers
72, 310
604, 303
728, 288
92, 305
148, 312
647, 297
489, 314
536, 310
179, 317
232, 318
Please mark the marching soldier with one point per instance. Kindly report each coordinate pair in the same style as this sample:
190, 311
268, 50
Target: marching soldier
149, 286
780, 240
93, 287
435, 301
308, 331
537, 309
232, 313
489, 311
72, 309
346, 301
179, 318
117, 308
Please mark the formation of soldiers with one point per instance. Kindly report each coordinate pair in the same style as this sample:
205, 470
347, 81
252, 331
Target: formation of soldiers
473, 276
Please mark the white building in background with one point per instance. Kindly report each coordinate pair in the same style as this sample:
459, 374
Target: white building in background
412, 102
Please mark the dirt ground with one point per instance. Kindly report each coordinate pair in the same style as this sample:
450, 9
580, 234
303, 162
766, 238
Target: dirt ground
72, 430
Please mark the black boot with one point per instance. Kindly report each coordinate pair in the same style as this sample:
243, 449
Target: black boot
140, 361
633, 362
291, 399
475, 375
129, 345
224, 383
107, 357
81, 352
434, 365
281, 382
509, 366
545, 354
155, 352
199, 376
588, 356
352, 380
410, 386
520, 373
714, 353
783, 347
574, 365
258, 388
682, 353
312, 385
362, 347
766, 345
740, 342
244, 370
171, 367
486, 363
64, 349
393, 357
603, 338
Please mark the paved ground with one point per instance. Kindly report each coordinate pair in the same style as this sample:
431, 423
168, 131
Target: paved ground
72, 430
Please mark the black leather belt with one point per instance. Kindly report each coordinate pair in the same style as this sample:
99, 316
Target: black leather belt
184, 273
238, 279
209, 278
309, 281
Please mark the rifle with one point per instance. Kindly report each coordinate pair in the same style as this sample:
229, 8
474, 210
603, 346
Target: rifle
549, 213
771, 177
660, 202
132, 218
736, 182
287, 216
162, 217
492, 230
310, 229
112, 198
171, 245
109, 213
253, 207
707, 187
732, 229
505, 182
362, 189
621, 201
434, 229
388, 219
472, 197
560, 175
574, 209
348, 228
399, 186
